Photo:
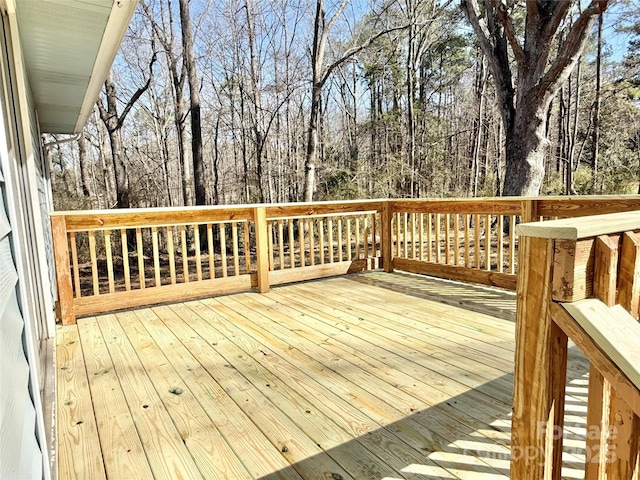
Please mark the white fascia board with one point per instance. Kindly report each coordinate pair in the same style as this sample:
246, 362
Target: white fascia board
121, 13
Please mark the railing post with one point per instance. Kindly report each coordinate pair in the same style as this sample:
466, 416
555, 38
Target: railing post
540, 368
262, 248
385, 236
63, 270
529, 210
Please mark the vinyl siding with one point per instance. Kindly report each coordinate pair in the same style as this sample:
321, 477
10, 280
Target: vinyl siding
20, 454
23, 446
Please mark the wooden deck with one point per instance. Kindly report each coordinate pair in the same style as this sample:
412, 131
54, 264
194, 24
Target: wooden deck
372, 376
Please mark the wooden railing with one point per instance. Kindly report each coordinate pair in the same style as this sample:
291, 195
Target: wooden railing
470, 240
578, 279
107, 260
114, 259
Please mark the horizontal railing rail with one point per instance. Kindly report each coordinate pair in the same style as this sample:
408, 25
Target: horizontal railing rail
579, 279
114, 259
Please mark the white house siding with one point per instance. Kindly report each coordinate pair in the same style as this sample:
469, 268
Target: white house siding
20, 454
25, 294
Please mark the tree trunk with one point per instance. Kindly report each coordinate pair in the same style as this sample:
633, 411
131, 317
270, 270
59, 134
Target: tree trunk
595, 140
194, 99
317, 60
527, 146
85, 177
111, 121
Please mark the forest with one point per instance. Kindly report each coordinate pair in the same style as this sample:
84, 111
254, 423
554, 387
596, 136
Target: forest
250, 101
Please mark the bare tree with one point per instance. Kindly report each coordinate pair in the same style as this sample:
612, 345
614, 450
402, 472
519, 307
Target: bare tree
113, 122
163, 29
194, 100
539, 77
320, 73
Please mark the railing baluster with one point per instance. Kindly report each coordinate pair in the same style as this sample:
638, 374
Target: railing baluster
447, 238
500, 246
94, 263
312, 243
280, 244
185, 254
405, 235
414, 246
301, 241
210, 252
262, 262
487, 242
196, 239
512, 244
172, 256
374, 243
330, 238
429, 239
125, 259
438, 253
398, 238
236, 255
74, 261
340, 240
247, 247
421, 236
456, 239
292, 247
357, 229
270, 244
349, 251
476, 240
223, 247
107, 250
321, 239
156, 255
467, 256
141, 276
365, 234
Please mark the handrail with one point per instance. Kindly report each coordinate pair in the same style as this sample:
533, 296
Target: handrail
572, 273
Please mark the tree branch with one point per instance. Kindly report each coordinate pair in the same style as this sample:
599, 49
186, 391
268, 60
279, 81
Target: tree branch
138, 93
503, 16
354, 50
571, 49
470, 7
560, 10
101, 110
335, 16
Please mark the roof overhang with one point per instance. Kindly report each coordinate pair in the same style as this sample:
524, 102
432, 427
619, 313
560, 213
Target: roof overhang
68, 48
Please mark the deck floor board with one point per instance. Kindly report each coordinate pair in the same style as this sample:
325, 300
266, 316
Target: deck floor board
372, 376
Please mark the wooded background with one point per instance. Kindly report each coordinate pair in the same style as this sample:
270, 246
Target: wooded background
243, 101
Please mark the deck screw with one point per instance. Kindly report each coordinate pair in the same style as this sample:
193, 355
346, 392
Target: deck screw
336, 476
176, 390
285, 449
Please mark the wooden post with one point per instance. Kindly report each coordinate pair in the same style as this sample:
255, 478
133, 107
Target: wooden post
386, 237
599, 399
624, 438
529, 210
262, 248
63, 270
540, 369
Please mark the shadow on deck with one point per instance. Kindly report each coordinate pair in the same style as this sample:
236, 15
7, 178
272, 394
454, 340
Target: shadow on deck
371, 376
472, 430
